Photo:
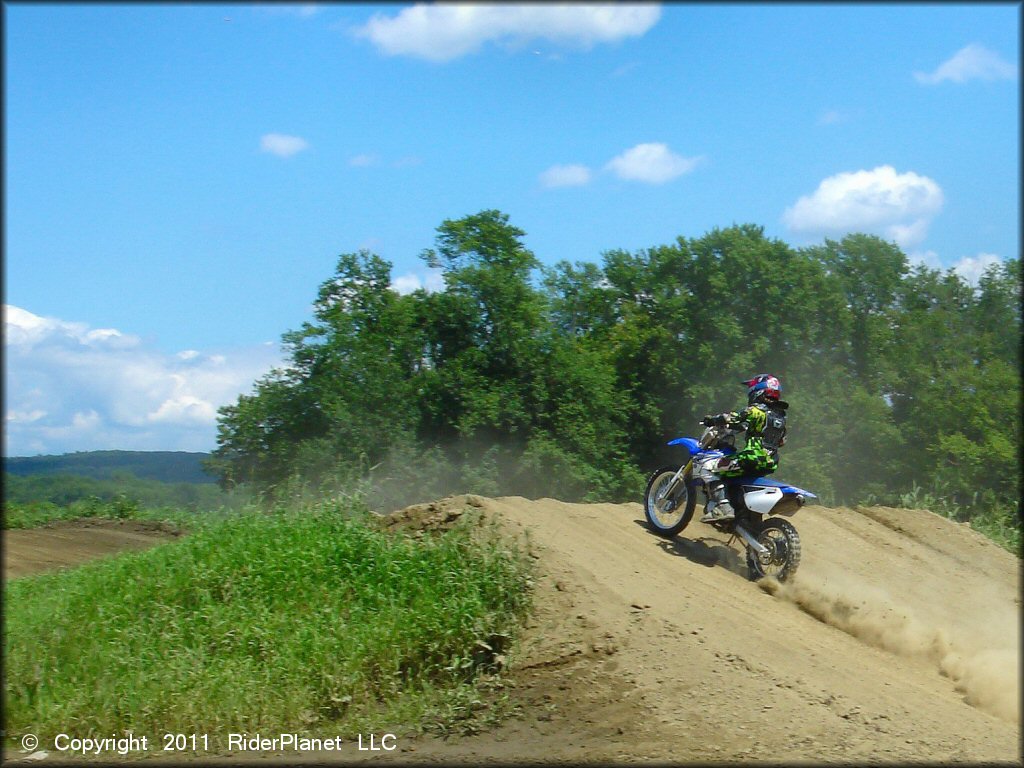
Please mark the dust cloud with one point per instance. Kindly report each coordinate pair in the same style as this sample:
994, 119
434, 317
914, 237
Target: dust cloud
976, 647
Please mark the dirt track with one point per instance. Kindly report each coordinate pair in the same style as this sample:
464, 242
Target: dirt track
898, 641
65, 544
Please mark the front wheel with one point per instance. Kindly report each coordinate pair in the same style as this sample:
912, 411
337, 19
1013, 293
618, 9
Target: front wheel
668, 515
781, 560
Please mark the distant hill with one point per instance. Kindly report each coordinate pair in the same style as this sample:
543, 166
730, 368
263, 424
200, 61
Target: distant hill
165, 466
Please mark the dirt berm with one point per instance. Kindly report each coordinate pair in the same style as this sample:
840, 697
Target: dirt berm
897, 641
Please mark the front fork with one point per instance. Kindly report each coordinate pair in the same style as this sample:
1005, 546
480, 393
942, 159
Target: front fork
682, 477
679, 478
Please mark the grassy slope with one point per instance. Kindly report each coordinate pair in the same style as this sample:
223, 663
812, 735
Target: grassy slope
294, 620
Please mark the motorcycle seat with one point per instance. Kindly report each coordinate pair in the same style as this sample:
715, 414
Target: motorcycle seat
764, 482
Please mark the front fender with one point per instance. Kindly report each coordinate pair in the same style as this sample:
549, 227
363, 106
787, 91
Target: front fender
693, 446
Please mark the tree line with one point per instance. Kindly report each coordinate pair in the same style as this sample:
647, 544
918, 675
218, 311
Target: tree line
567, 380
164, 466
64, 490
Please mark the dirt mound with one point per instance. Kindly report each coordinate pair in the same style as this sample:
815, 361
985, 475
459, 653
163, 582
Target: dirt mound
897, 642
433, 517
72, 542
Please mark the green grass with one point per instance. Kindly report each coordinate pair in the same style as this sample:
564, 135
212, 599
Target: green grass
999, 527
19, 515
35, 513
298, 619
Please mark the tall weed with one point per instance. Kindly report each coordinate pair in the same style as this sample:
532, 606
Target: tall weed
290, 619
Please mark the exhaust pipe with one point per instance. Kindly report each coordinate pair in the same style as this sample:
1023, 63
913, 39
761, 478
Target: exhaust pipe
750, 541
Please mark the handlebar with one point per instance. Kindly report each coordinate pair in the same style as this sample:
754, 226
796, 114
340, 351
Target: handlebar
714, 433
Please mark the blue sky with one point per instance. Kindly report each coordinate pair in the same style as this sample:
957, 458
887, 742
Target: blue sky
181, 178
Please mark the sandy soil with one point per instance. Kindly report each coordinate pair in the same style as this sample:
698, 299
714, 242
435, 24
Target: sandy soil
898, 641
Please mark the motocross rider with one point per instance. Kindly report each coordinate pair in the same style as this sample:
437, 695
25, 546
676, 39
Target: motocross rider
764, 421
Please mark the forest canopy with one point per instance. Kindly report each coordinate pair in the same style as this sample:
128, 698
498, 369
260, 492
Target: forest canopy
568, 380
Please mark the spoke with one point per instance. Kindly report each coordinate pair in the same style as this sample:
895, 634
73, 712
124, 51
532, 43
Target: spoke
666, 518
783, 555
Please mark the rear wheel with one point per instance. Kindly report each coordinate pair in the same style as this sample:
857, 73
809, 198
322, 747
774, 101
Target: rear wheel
667, 514
781, 560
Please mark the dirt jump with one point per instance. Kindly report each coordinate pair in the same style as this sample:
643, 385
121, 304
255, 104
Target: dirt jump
897, 641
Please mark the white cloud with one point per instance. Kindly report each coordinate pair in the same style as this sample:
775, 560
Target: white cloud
971, 268
929, 259
24, 328
281, 145
432, 282
184, 409
909, 234
85, 421
442, 32
70, 388
899, 206
362, 161
651, 164
971, 63
566, 176
26, 417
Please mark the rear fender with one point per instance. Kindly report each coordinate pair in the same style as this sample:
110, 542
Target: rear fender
771, 500
767, 482
761, 500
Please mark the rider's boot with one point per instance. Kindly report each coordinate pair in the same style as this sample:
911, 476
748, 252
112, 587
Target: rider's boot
718, 506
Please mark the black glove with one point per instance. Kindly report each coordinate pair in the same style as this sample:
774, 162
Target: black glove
708, 421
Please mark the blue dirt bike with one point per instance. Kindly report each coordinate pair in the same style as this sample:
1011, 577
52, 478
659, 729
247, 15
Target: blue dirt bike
773, 544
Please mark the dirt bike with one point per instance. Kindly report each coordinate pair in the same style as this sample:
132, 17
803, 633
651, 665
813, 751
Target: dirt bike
773, 544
